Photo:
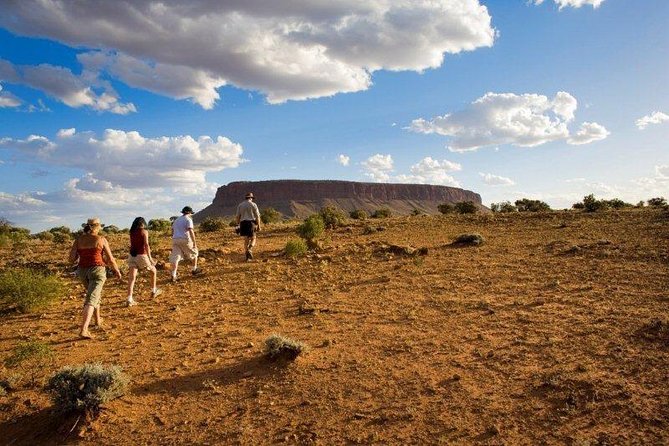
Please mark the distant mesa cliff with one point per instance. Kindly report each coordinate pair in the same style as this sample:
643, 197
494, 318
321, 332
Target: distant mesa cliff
300, 198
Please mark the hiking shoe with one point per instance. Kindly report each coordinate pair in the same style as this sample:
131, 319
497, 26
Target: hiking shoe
249, 256
156, 293
130, 303
196, 272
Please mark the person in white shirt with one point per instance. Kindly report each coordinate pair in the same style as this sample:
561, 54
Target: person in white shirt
248, 220
184, 245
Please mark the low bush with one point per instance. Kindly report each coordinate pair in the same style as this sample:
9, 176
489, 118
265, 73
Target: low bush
416, 212
617, 203
446, 208
28, 290
280, 347
382, 213
31, 359
270, 215
212, 224
591, 204
469, 239
504, 207
87, 387
332, 217
312, 227
466, 207
111, 229
159, 224
358, 214
45, 236
296, 248
62, 237
658, 202
60, 229
527, 205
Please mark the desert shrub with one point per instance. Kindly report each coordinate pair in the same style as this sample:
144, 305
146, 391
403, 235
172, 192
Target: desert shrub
369, 229
469, 239
332, 217
111, 229
232, 223
87, 387
62, 237
45, 236
640, 204
60, 229
280, 347
527, 205
296, 248
382, 213
617, 203
213, 224
28, 290
270, 215
312, 227
31, 359
466, 207
578, 206
416, 212
358, 214
159, 224
504, 207
446, 208
657, 202
591, 204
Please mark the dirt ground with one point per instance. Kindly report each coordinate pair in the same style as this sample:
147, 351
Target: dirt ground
552, 332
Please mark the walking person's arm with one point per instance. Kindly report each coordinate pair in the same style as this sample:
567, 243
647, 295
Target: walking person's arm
192, 237
110, 257
145, 234
256, 214
73, 252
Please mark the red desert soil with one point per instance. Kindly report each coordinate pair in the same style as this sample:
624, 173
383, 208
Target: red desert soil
543, 335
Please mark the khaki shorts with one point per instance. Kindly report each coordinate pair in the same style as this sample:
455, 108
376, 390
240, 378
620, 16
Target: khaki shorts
140, 261
182, 248
93, 279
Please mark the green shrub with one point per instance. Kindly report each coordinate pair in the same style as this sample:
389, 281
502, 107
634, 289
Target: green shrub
280, 347
32, 359
446, 208
296, 248
159, 224
87, 387
213, 224
504, 207
60, 229
382, 213
28, 290
312, 227
270, 215
358, 214
45, 236
591, 204
617, 203
527, 205
658, 202
332, 217
62, 237
111, 229
416, 212
469, 239
466, 207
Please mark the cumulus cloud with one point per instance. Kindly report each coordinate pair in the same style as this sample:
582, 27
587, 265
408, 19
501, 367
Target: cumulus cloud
129, 160
654, 118
344, 160
63, 85
496, 180
289, 50
525, 120
573, 3
662, 171
8, 100
587, 133
378, 167
431, 171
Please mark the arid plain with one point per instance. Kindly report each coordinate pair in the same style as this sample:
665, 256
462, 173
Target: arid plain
552, 332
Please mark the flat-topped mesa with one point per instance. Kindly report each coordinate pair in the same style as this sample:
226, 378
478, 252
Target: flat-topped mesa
300, 198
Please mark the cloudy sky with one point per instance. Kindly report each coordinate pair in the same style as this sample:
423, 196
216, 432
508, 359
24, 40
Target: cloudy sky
119, 109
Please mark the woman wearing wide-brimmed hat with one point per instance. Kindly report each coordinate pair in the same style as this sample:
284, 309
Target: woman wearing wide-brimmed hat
90, 251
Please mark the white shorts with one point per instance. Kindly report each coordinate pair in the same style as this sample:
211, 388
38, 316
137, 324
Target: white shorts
182, 248
140, 261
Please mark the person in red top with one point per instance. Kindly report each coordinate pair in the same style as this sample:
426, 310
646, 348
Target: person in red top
89, 250
140, 258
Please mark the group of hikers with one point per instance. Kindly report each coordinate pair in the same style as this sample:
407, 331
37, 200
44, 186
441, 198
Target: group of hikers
93, 254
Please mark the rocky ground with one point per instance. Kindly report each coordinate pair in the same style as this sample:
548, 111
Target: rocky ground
552, 332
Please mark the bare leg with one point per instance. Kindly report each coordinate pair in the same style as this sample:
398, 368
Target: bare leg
174, 269
195, 263
98, 318
132, 276
86, 315
154, 277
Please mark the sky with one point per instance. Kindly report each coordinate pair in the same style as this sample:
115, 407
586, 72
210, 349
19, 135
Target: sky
129, 108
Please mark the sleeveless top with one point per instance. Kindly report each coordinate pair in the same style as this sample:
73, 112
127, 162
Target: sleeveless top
137, 246
90, 256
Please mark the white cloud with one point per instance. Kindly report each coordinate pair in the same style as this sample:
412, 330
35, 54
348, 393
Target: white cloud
654, 118
378, 167
587, 133
496, 180
662, 171
70, 89
431, 171
289, 50
344, 160
129, 160
8, 100
525, 120
573, 3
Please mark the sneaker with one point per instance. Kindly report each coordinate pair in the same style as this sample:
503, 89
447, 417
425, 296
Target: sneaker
156, 293
130, 303
196, 272
249, 255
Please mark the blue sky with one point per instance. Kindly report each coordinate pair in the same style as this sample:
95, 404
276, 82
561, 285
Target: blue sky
141, 108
